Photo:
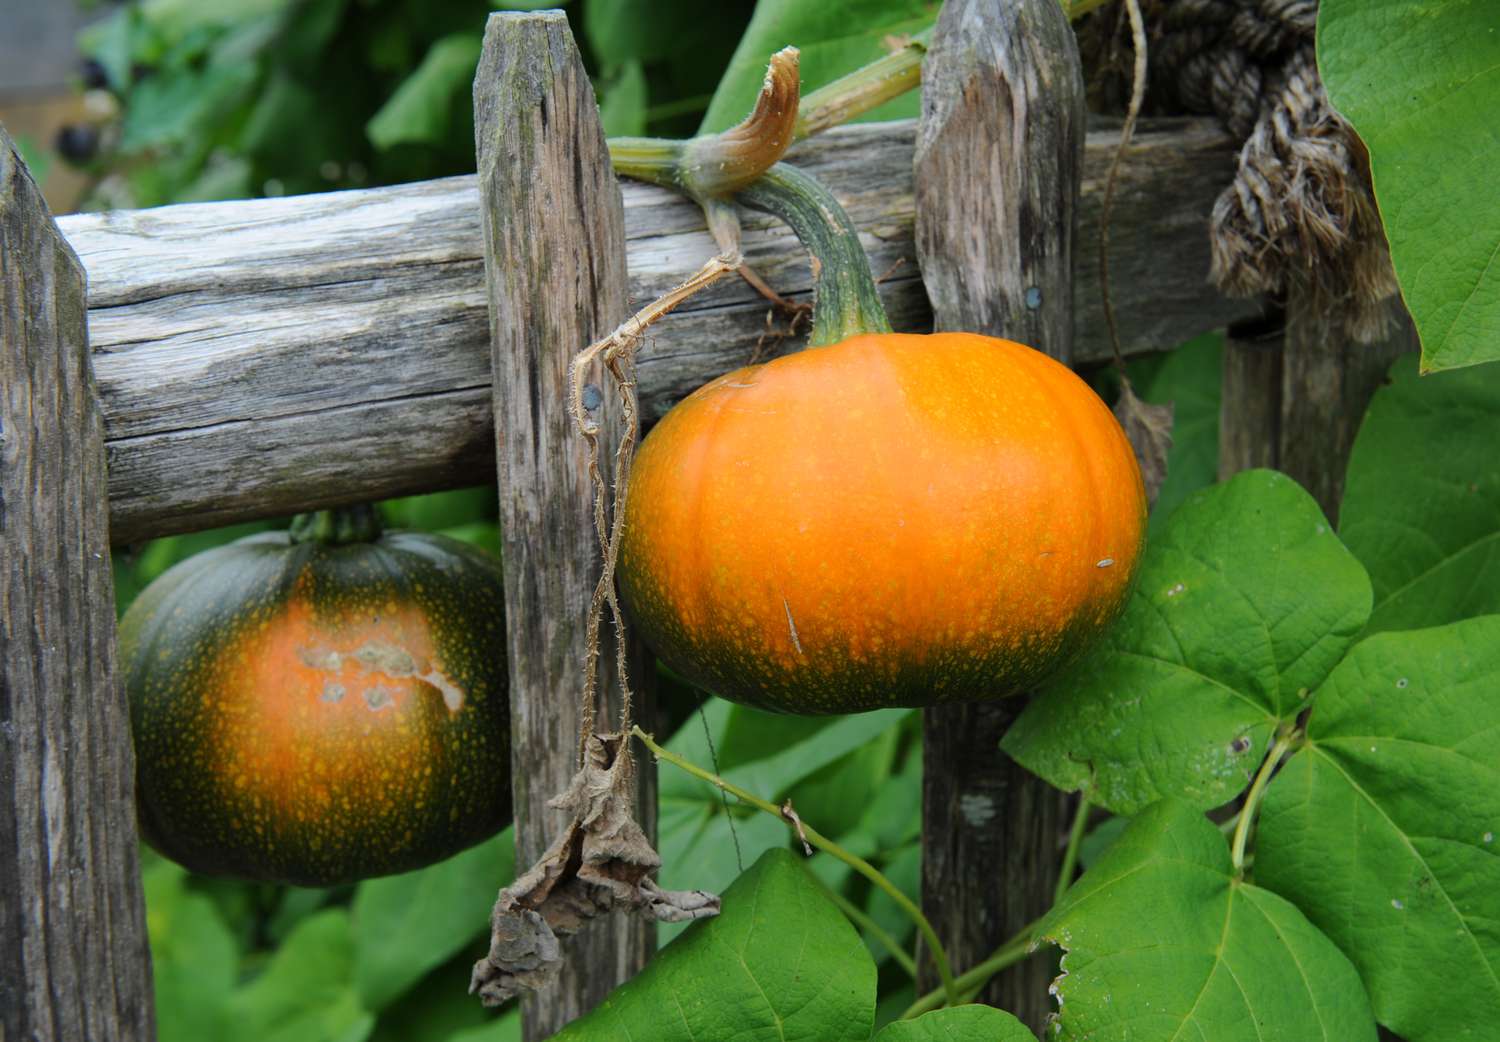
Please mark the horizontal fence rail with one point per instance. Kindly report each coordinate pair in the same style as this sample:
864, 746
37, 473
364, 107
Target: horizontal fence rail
257, 358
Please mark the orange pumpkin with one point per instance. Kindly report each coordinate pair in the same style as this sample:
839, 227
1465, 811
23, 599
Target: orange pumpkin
890, 520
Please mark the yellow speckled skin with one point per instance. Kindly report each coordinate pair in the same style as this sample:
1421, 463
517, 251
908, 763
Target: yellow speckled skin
892, 520
318, 714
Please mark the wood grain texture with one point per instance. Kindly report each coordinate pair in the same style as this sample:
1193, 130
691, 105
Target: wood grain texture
1327, 381
1250, 397
1294, 392
554, 237
255, 358
74, 964
998, 164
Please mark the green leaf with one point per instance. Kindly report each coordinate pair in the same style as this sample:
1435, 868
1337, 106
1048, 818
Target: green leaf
958, 1024
702, 846
1243, 604
1190, 379
622, 101
504, 1028
1420, 82
620, 31
1100, 838
169, 109
306, 993
902, 867
1421, 505
837, 796
38, 159
194, 959
1383, 827
404, 925
297, 903
113, 42
779, 962
835, 37
439, 1006
1164, 943
772, 769
423, 107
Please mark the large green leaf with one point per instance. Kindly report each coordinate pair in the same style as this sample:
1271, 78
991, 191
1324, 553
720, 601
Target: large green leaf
306, 993
779, 962
425, 105
404, 925
1382, 828
1421, 503
958, 1024
1420, 82
194, 959
834, 36
1244, 603
1164, 943
702, 845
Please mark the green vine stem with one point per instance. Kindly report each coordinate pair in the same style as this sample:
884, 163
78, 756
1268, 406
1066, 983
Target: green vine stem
972, 981
1070, 855
847, 301
1252, 800
868, 87
359, 523
828, 846
860, 918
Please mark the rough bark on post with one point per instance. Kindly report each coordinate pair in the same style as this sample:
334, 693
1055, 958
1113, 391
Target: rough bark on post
1327, 381
1294, 393
554, 232
998, 165
74, 964
1250, 396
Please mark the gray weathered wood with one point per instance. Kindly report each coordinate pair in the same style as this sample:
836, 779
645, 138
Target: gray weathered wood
554, 235
260, 357
1327, 380
1294, 393
999, 158
73, 958
1250, 397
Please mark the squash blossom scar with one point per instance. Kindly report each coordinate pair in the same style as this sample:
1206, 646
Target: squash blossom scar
388, 660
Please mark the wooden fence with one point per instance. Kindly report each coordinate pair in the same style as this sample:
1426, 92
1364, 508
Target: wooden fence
252, 359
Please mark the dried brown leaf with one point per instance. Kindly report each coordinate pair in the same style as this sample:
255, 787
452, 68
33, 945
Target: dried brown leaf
600, 863
1149, 428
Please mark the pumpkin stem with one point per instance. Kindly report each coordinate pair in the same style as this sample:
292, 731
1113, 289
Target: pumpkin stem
847, 301
714, 166
359, 523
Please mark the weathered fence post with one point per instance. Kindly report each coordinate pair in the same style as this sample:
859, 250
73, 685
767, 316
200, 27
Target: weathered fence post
1294, 399
74, 966
554, 230
998, 166
1327, 380
1250, 396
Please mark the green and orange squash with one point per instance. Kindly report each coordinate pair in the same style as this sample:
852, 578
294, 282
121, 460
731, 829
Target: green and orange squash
881, 519
320, 705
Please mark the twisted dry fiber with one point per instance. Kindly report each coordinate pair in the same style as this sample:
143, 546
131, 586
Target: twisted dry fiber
1299, 215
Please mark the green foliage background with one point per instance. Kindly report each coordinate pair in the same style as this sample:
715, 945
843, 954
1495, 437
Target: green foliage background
236, 98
